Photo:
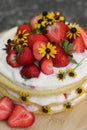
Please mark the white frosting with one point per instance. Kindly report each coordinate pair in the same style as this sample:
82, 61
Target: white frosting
43, 82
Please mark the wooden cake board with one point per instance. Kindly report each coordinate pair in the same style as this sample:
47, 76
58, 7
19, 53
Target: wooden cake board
70, 120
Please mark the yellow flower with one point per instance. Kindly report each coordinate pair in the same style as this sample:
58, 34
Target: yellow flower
71, 73
21, 38
45, 110
67, 106
74, 31
48, 50
50, 15
80, 91
24, 97
60, 75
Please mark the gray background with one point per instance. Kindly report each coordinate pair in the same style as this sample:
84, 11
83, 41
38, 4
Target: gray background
13, 12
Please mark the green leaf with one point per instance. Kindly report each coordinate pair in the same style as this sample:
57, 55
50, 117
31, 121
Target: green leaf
73, 61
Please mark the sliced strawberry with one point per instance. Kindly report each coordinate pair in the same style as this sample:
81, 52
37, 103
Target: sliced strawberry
20, 117
36, 37
57, 32
79, 45
33, 21
23, 27
6, 107
61, 58
36, 53
84, 35
47, 66
30, 71
12, 59
25, 57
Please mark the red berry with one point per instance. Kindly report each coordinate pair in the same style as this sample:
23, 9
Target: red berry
47, 66
36, 37
36, 53
33, 21
6, 107
61, 58
12, 59
23, 27
30, 71
84, 36
20, 117
57, 32
79, 45
25, 57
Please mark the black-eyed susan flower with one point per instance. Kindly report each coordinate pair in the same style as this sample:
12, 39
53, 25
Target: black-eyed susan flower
24, 97
61, 75
48, 50
67, 106
80, 91
74, 31
45, 110
71, 72
21, 38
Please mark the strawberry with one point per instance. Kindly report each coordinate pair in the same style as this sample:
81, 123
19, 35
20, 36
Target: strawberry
25, 57
79, 45
84, 36
46, 66
20, 117
36, 53
57, 32
11, 59
6, 107
36, 37
61, 58
30, 71
33, 21
23, 27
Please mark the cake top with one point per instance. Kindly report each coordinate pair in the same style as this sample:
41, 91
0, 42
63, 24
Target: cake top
45, 49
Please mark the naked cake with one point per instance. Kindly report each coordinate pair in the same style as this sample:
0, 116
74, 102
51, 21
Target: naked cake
43, 64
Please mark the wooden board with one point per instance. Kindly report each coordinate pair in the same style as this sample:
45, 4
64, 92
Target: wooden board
71, 120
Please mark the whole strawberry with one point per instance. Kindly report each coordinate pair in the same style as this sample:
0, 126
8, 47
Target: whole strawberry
25, 57
30, 71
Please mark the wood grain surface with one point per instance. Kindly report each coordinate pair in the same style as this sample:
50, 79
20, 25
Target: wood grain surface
71, 120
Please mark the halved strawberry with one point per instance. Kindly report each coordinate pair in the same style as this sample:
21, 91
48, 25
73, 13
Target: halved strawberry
6, 107
79, 45
84, 35
33, 20
25, 27
61, 58
57, 32
25, 57
30, 71
36, 37
46, 66
20, 117
11, 59
36, 53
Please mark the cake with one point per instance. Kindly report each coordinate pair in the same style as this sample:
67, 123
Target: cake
43, 64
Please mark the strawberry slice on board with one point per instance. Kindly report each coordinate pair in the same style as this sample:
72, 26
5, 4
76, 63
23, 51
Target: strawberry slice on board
20, 117
79, 45
46, 66
11, 59
36, 37
57, 32
84, 35
6, 107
